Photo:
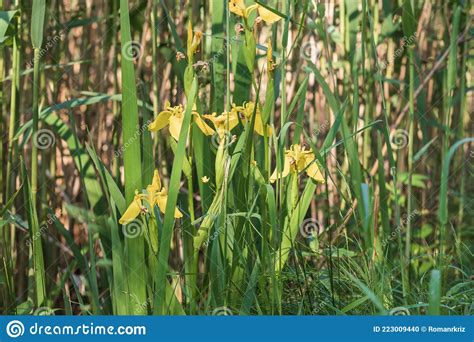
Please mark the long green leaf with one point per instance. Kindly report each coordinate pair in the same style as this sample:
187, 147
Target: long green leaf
132, 161
36, 246
37, 23
6, 18
435, 293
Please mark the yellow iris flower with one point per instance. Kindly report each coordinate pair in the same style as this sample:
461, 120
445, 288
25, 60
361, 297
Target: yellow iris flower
173, 117
297, 159
223, 123
246, 111
155, 194
238, 7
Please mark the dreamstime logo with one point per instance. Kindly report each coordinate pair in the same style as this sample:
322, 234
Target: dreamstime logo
403, 222
222, 311
49, 44
143, 306
310, 51
218, 231
136, 135
310, 228
218, 54
43, 229
399, 139
406, 42
131, 50
318, 308
133, 229
43, 139
15, 329
321, 129
399, 311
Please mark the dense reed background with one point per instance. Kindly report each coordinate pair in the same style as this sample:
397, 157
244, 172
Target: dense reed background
311, 157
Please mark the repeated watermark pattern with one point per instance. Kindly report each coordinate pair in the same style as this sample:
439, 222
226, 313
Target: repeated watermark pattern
133, 229
50, 219
205, 64
46, 47
323, 128
135, 136
398, 52
310, 228
404, 221
132, 51
318, 308
44, 139
222, 311
143, 306
399, 311
310, 51
399, 139
218, 231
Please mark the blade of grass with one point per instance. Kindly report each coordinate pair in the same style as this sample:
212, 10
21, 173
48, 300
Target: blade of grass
435, 293
135, 247
409, 24
36, 247
37, 23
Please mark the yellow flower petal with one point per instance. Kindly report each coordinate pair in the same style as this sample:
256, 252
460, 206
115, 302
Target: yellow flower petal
177, 213
237, 7
241, 109
162, 120
156, 183
231, 121
314, 172
268, 16
300, 161
175, 126
211, 117
259, 126
151, 196
285, 172
205, 179
204, 127
228, 121
223, 123
161, 202
247, 110
133, 210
